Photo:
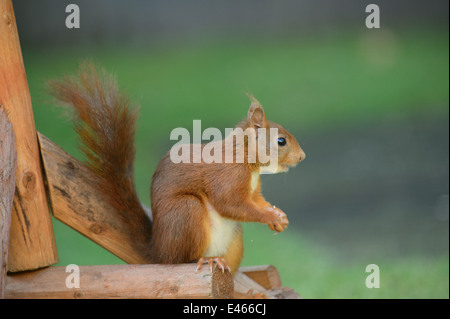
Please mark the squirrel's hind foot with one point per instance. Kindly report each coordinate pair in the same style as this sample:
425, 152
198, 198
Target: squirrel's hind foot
220, 262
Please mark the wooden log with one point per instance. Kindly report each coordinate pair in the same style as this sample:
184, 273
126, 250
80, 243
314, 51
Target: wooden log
123, 281
76, 203
32, 243
8, 167
247, 288
284, 293
266, 275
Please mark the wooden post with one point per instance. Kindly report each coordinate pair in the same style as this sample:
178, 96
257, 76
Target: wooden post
32, 243
123, 281
8, 167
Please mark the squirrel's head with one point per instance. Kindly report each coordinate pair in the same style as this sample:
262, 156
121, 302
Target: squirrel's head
277, 141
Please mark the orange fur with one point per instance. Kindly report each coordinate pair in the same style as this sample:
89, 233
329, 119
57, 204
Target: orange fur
105, 122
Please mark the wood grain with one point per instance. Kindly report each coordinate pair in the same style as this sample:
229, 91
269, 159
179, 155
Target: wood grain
8, 167
79, 205
265, 275
246, 288
32, 243
123, 281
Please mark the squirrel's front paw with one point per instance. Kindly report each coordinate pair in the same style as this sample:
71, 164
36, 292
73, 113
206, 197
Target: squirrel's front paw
279, 221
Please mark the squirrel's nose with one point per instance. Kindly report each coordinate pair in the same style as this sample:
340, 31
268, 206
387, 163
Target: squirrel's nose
302, 156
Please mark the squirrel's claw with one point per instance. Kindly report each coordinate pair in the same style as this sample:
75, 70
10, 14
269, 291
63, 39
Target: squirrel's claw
280, 222
220, 261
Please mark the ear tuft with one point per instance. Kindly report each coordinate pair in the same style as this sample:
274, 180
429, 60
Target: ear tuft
256, 114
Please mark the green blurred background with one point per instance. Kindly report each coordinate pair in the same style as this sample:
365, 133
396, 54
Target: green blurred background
369, 107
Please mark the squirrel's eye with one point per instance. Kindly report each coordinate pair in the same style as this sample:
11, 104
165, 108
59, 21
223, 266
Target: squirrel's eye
281, 141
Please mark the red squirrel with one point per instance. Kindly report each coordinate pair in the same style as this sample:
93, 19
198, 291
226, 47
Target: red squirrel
196, 208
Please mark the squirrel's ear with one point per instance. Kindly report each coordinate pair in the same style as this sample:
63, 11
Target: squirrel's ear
256, 114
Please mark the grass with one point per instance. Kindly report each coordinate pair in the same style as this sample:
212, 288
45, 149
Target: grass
315, 272
308, 84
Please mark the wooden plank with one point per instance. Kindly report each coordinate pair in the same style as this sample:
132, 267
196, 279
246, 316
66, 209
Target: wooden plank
76, 203
123, 281
247, 288
284, 293
265, 275
32, 243
8, 167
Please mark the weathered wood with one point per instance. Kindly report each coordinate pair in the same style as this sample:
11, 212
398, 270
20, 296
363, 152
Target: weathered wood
283, 293
76, 203
265, 275
247, 288
123, 281
8, 167
32, 243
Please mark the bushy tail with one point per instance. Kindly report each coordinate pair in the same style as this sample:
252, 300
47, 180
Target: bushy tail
106, 123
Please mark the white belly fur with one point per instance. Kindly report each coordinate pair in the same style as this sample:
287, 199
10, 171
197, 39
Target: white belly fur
222, 231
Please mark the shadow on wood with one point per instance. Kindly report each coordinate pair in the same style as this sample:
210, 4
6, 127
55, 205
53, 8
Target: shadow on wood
8, 167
